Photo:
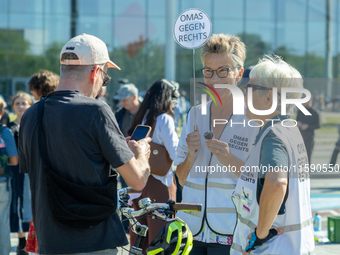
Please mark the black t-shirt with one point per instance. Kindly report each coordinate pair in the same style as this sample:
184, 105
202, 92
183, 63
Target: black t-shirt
313, 122
83, 140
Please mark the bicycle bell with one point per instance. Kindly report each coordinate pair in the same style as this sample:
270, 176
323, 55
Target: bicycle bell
144, 202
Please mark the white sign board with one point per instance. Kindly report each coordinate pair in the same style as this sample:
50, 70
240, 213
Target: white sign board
192, 28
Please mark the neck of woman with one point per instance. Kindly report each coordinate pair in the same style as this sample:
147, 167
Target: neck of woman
224, 109
267, 118
17, 120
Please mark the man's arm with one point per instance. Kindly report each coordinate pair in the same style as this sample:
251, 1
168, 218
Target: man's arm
136, 172
13, 161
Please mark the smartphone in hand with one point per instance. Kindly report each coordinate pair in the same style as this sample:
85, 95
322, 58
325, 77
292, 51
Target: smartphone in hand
140, 132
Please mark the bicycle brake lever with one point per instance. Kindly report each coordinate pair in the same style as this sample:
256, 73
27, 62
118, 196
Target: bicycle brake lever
171, 205
122, 202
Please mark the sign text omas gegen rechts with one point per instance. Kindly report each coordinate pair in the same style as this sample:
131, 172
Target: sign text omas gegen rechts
192, 28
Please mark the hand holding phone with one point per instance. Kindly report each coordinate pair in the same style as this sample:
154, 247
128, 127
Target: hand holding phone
142, 147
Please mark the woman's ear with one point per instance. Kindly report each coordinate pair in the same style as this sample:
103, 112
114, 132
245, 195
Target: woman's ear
240, 73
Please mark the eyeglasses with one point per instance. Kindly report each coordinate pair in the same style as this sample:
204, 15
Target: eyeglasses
107, 79
221, 72
256, 87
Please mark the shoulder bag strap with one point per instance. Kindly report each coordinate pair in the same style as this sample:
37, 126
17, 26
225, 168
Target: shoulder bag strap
41, 135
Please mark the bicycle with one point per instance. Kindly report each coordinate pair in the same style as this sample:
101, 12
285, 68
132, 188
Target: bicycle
175, 237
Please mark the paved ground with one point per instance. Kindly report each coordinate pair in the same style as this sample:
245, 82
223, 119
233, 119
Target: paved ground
326, 190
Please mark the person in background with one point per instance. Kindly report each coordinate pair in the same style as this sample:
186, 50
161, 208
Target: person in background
177, 109
184, 106
5, 114
156, 111
102, 95
307, 125
20, 215
9, 158
42, 83
128, 98
245, 78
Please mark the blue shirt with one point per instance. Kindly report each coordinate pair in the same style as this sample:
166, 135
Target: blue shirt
11, 149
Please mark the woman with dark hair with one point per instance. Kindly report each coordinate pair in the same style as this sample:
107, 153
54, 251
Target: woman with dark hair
156, 111
42, 83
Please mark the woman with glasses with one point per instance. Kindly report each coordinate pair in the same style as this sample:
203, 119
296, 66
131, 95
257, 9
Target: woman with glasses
21, 214
202, 162
156, 111
272, 195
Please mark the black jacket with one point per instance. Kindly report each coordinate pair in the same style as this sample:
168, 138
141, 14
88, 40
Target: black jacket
119, 116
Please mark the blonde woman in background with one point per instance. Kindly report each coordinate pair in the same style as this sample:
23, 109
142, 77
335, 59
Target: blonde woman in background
20, 213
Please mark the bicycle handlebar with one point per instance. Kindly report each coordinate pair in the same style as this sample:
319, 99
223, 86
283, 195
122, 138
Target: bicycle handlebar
154, 206
132, 191
176, 207
187, 207
128, 190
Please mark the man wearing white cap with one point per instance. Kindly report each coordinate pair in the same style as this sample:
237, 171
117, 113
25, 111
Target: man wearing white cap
81, 139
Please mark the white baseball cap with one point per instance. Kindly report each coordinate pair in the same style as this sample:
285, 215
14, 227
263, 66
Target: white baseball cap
89, 49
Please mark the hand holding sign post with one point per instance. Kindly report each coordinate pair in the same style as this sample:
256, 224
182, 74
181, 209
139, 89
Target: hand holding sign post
191, 30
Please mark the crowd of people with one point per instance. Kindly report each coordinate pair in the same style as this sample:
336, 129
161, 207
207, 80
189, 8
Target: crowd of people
64, 146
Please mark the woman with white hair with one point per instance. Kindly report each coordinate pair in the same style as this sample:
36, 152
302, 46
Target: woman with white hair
272, 195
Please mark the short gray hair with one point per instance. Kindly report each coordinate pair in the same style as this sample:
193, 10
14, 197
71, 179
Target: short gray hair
272, 72
75, 71
231, 44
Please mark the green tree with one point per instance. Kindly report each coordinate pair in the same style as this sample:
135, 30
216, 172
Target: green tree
13, 52
52, 57
143, 68
256, 48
